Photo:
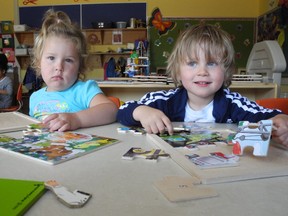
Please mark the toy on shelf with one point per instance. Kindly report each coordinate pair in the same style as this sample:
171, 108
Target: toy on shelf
256, 135
137, 65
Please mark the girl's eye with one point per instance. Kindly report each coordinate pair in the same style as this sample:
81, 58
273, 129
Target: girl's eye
212, 64
51, 57
69, 60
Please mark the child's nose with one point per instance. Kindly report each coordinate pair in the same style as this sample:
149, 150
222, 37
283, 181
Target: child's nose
202, 71
59, 66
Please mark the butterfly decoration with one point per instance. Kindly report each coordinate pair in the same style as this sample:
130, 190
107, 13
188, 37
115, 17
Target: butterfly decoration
162, 26
26, 2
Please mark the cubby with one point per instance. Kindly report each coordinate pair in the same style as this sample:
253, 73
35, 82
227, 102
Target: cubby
25, 40
100, 42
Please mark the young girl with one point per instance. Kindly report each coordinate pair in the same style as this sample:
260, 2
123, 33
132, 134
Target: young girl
6, 85
66, 103
201, 66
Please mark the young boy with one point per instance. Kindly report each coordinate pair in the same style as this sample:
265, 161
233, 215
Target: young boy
201, 66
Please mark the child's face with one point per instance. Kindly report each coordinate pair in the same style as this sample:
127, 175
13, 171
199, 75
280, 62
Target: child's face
201, 78
59, 63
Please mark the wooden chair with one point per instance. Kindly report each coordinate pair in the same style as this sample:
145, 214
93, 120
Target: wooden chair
274, 103
116, 100
18, 100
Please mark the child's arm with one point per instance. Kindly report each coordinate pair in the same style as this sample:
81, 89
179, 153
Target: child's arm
280, 135
102, 111
157, 100
153, 120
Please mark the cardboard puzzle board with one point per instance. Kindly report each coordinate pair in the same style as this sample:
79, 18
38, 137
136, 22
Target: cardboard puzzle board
54, 147
15, 121
249, 167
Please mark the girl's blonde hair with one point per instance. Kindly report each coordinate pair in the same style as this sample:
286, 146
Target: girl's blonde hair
213, 41
59, 24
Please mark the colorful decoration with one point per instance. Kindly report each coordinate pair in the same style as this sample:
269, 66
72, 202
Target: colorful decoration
162, 26
26, 2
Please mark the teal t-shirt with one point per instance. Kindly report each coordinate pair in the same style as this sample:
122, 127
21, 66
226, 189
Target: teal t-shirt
74, 99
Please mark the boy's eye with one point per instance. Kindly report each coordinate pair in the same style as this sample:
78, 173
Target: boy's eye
192, 63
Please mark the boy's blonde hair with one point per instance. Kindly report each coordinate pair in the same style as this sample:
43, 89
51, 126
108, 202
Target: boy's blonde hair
214, 42
59, 24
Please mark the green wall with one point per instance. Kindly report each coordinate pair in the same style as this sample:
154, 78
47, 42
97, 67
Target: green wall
242, 32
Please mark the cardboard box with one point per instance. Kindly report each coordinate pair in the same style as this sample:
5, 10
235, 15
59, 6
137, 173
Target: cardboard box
20, 28
20, 51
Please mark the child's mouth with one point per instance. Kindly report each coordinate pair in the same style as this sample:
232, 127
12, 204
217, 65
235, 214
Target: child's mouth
202, 83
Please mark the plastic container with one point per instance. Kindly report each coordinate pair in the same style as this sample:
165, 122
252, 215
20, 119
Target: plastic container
121, 24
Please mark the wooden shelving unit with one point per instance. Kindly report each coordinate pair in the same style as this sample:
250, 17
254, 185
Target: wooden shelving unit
134, 91
99, 43
101, 46
24, 38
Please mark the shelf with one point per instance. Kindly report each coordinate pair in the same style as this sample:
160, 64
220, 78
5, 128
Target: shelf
25, 37
134, 91
108, 53
114, 29
104, 36
99, 41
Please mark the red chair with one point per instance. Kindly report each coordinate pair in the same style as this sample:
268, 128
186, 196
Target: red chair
115, 100
18, 99
274, 103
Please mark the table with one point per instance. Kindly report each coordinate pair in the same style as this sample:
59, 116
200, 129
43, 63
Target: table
121, 187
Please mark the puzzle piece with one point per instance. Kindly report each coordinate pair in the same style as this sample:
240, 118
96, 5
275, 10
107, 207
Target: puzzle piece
256, 135
35, 129
134, 130
214, 160
73, 199
153, 154
177, 189
190, 126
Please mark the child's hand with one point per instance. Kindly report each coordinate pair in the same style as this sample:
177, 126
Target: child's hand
62, 122
280, 135
153, 120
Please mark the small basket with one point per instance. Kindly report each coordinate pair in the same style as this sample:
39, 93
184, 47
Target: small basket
121, 24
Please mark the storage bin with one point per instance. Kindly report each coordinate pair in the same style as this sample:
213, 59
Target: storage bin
121, 24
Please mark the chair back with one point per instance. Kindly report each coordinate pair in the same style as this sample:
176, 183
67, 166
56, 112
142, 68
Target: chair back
19, 93
274, 103
116, 100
